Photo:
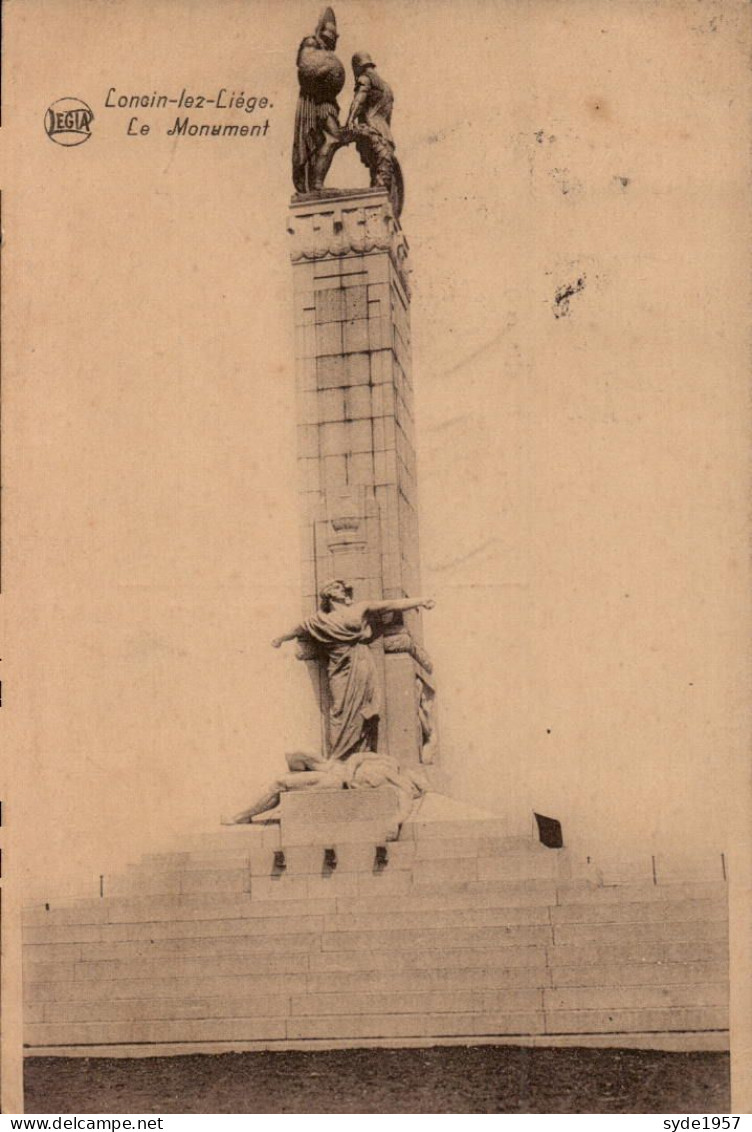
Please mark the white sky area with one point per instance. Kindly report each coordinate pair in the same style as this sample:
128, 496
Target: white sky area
580, 478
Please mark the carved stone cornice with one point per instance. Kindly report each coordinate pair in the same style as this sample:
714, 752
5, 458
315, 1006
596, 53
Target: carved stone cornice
332, 224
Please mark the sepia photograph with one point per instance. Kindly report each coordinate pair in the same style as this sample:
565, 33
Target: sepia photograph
375, 543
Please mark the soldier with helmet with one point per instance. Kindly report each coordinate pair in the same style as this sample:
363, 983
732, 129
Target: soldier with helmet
369, 124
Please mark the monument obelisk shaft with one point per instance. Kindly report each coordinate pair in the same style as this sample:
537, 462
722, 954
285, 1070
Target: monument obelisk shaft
356, 440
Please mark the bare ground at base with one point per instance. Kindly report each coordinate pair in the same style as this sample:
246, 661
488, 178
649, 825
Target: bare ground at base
457, 1079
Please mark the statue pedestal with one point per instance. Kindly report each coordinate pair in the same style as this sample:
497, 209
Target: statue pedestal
325, 817
461, 932
356, 440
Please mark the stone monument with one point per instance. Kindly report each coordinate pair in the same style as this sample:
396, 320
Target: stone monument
351, 904
361, 632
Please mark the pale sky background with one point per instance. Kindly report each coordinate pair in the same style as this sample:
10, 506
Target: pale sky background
582, 479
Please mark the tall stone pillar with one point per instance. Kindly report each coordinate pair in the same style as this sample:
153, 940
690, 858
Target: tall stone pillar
356, 446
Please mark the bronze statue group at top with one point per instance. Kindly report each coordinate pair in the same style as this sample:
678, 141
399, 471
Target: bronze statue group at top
318, 132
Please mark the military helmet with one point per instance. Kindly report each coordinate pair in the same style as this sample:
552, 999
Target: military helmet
361, 60
327, 22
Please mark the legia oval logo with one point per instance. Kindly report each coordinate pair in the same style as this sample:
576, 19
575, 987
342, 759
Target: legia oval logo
68, 121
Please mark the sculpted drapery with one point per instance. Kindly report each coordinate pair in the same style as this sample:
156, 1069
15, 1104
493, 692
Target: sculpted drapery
341, 630
342, 635
321, 78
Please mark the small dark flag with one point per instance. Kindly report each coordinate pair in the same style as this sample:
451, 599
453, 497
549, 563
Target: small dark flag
549, 832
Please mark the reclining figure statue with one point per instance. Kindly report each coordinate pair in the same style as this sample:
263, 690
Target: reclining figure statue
341, 629
364, 770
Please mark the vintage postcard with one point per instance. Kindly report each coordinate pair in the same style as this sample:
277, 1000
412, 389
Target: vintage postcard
375, 556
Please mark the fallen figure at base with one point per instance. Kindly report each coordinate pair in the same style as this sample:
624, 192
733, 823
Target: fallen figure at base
363, 770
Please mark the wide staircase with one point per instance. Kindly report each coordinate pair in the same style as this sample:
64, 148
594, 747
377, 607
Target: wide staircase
261, 937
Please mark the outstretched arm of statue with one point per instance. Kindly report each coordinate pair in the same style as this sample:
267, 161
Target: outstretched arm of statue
398, 605
291, 635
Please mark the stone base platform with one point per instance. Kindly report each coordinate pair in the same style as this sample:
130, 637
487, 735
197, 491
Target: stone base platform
253, 937
326, 817
670, 1042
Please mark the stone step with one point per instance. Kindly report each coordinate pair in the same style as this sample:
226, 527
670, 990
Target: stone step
631, 932
291, 896
299, 859
311, 887
455, 848
70, 912
624, 1021
482, 889
523, 866
185, 1031
709, 866
457, 830
705, 919
640, 911
412, 1002
279, 925
244, 943
417, 1002
697, 990
157, 930
141, 882
355, 863
448, 958
402, 940
92, 914
579, 892
416, 1025
569, 901
395, 982
513, 894
639, 951
288, 962
429, 979
168, 949
575, 985
96, 990
285, 962
351, 951
62, 933
235, 839
439, 918
149, 1008
101, 911
410, 850
167, 909
359, 1026
639, 974
197, 860
466, 934
42, 1034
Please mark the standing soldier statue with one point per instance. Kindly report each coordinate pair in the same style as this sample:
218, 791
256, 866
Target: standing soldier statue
318, 133
369, 125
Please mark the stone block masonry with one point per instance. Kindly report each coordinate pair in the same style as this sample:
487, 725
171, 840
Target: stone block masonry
465, 934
